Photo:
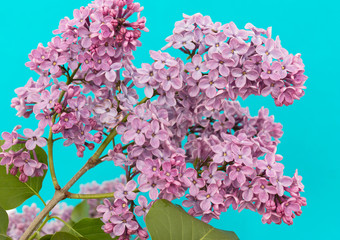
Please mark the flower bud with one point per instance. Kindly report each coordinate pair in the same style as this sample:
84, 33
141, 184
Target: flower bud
56, 128
98, 137
118, 148
108, 227
14, 171
23, 178
142, 234
121, 3
58, 108
90, 146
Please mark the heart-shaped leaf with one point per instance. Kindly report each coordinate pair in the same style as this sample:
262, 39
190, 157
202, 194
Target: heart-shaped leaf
90, 228
14, 192
80, 211
3, 221
46, 237
166, 221
63, 236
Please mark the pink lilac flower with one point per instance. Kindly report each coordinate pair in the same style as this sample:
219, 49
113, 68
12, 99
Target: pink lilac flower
271, 71
143, 207
184, 41
123, 222
212, 83
242, 155
162, 59
262, 189
86, 60
34, 138
248, 190
126, 191
53, 62
107, 209
235, 49
216, 43
155, 134
10, 138
208, 197
268, 51
106, 110
270, 164
44, 119
151, 185
26, 162
136, 133
196, 67
170, 78
168, 173
151, 167
239, 173
68, 120
223, 64
222, 153
233, 31
211, 175
196, 185
280, 182
243, 74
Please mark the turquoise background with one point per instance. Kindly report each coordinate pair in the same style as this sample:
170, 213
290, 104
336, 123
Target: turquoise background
311, 125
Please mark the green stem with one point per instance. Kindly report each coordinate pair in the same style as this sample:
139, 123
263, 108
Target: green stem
39, 229
50, 137
50, 160
42, 200
94, 196
90, 196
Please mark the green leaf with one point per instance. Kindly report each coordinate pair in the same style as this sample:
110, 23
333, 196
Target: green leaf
13, 192
166, 221
64, 236
80, 211
46, 237
3, 221
65, 228
91, 229
4, 237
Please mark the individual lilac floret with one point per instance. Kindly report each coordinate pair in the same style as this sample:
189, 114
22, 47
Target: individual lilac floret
143, 207
107, 209
126, 191
34, 138
26, 162
196, 67
208, 197
122, 223
263, 189
270, 165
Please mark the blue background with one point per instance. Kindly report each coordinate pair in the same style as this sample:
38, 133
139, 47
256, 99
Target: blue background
311, 125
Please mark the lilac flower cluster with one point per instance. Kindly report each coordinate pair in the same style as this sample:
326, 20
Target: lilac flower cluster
24, 160
228, 62
118, 218
229, 158
90, 51
19, 222
193, 141
233, 157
